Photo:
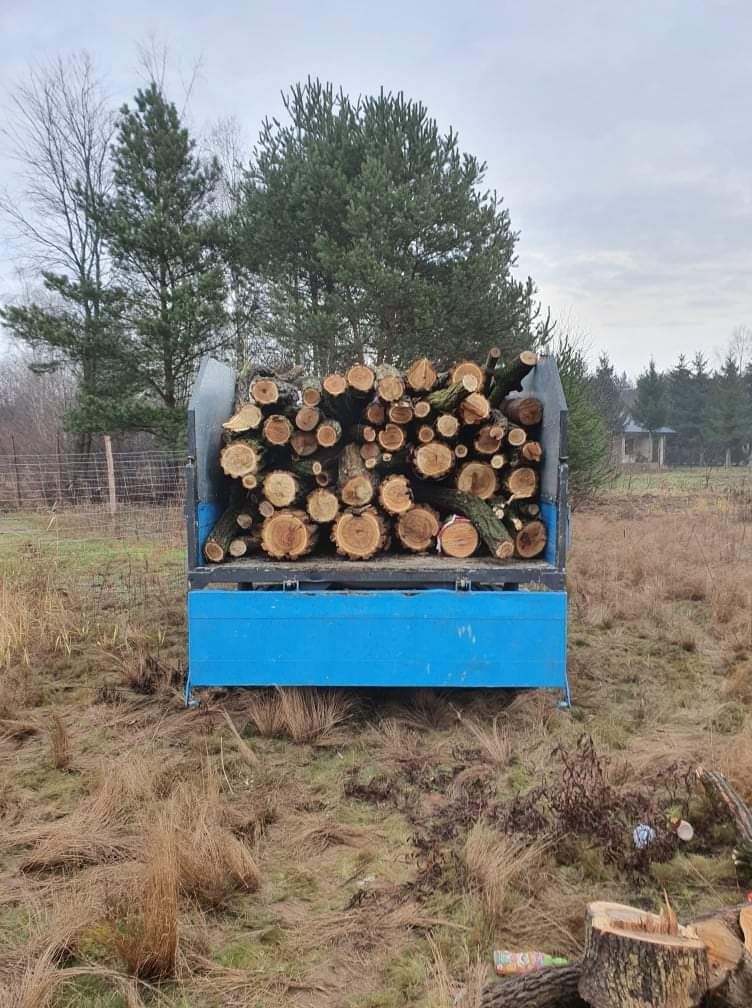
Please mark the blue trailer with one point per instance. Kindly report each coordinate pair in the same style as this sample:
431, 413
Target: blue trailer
390, 621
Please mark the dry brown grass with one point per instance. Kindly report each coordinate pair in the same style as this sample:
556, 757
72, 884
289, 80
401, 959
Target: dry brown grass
398, 745
444, 990
363, 928
213, 864
34, 986
59, 741
315, 833
504, 869
301, 714
494, 742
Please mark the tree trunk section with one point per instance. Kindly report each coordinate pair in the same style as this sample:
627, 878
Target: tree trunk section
525, 410
277, 430
329, 433
421, 376
477, 478
422, 409
516, 436
389, 384
530, 541
474, 410
322, 505
241, 456
375, 413
288, 535
360, 379
445, 400
401, 412
395, 495
220, 537
304, 443
310, 391
463, 368
281, 488
307, 418
447, 425
635, 959
458, 537
434, 460
392, 437
509, 379
520, 483
356, 484
360, 533
491, 530
547, 988
425, 433
417, 528
247, 418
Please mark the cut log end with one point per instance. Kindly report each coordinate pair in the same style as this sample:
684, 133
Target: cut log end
418, 527
328, 433
521, 483
392, 437
425, 434
360, 378
240, 457
474, 409
357, 491
277, 430
304, 443
288, 534
247, 418
395, 495
421, 409
478, 478
280, 488
322, 505
463, 368
249, 481
447, 425
307, 417
401, 412
360, 533
530, 541
335, 384
434, 460
421, 375
265, 391
458, 538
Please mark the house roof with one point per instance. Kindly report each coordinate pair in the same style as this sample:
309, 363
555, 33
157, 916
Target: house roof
630, 427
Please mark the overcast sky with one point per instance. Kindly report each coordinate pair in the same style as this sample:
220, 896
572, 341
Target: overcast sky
618, 133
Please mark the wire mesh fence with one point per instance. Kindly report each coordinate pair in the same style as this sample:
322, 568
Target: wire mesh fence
98, 522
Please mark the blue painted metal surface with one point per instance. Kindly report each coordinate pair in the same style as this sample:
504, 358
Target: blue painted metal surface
377, 638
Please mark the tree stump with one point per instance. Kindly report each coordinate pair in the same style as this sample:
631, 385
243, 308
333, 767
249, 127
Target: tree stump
635, 959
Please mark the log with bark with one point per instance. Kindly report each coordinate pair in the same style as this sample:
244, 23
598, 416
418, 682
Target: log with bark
221, 535
458, 537
360, 533
277, 430
288, 534
395, 495
421, 376
509, 378
490, 529
282, 488
241, 456
524, 410
417, 528
248, 417
322, 505
356, 484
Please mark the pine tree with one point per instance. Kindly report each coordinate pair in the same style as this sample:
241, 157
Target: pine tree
682, 414
376, 236
650, 403
607, 389
729, 414
587, 433
700, 391
163, 239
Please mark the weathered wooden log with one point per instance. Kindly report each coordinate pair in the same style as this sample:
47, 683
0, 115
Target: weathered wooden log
401, 412
421, 409
532, 451
509, 378
375, 413
249, 481
360, 379
288, 535
336, 399
360, 533
389, 384
461, 451
520, 483
224, 531
265, 508
322, 505
445, 400
310, 391
264, 390
307, 417
425, 433
241, 456
392, 437
329, 433
244, 545
636, 959
547, 988
463, 368
277, 430
417, 528
447, 425
304, 443
525, 410
474, 409
421, 376
282, 488
363, 432
458, 537
370, 450
395, 495
434, 460
490, 529
530, 540
244, 518
516, 437
356, 484
492, 358
477, 478
247, 418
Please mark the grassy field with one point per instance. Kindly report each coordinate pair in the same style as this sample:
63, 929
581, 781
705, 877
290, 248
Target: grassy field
360, 850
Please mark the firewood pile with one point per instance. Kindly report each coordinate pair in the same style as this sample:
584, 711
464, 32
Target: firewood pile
372, 459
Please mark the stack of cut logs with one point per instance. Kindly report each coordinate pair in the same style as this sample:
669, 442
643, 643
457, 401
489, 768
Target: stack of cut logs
372, 457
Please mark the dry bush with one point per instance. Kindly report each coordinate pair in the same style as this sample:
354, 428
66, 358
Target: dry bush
213, 864
429, 710
143, 925
502, 867
264, 710
391, 741
494, 742
302, 714
317, 833
60, 751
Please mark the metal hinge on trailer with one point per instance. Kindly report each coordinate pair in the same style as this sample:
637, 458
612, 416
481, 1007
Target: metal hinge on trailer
291, 585
463, 584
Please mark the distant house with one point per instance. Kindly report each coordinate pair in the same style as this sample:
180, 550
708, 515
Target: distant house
637, 446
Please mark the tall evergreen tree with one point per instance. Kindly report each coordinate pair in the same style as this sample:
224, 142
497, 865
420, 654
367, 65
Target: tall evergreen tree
163, 239
650, 403
700, 390
607, 391
729, 413
682, 413
376, 236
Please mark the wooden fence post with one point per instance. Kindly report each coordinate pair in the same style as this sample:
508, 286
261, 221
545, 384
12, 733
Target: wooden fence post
15, 470
110, 473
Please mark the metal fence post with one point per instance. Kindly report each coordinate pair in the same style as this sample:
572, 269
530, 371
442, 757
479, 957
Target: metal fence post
110, 473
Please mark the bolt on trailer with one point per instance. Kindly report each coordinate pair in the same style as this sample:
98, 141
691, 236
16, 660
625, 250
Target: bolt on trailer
393, 620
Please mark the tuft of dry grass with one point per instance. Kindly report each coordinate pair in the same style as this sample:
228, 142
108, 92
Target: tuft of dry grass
494, 742
317, 833
59, 740
302, 714
444, 991
401, 746
502, 867
34, 986
12, 728
213, 864
143, 923
362, 928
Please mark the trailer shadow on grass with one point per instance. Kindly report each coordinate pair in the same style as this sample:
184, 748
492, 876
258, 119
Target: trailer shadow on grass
363, 849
